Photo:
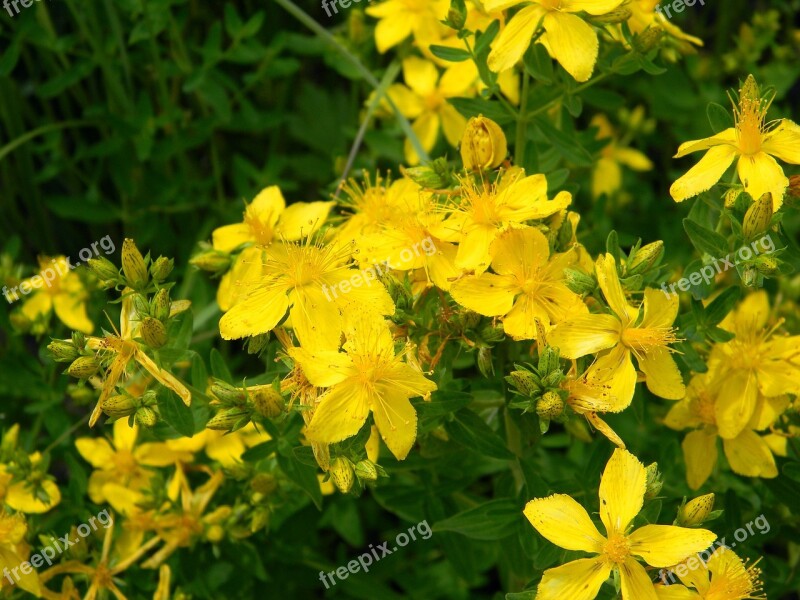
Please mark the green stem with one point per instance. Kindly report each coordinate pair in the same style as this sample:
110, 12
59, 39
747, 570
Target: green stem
301, 16
14, 144
522, 121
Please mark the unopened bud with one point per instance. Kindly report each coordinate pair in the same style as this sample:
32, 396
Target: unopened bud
267, 401
457, 15
731, 196
257, 343
161, 268
159, 305
63, 350
483, 145
215, 533
647, 40
758, 216
425, 177
646, 258
550, 405
146, 416
695, 512
133, 264
365, 469
526, 382
264, 483
619, 15
793, 191
578, 281
103, 268
485, 363
260, 517
654, 481
119, 406
750, 276
226, 393
83, 367
767, 265
549, 360
227, 420
212, 261
153, 332
342, 474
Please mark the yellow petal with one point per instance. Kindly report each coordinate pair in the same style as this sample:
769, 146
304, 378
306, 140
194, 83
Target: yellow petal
783, 142
750, 455
39, 304
228, 237
727, 137
760, 174
9, 559
406, 101
704, 174
259, 313
520, 322
681, 416
303, 218
622, 490
340, 414
564, 522
517, 249
420, 75
453, 123
576, 580
426, 128
593, 7
608, 279
635, 583
633, 159
395, 418
736, 401
473, 251
573, 43
606, 177
488, 294
700, 455
660, 311
675, 592
390, 32
71, 310
323, 368
268, 205
96, 451
316, 318
617, 366
666, 545
124, 435
663, 376
585, 335
513, 41
21, 497
404, 377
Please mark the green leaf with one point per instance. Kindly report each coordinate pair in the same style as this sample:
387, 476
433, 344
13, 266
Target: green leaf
304, 476
722, 305
450, 54
443, 403
469, 430
719, 117
260, 451
493, 520
9, 59
175, 413
487, 37
538, 63
472, 107
218, 367
706, 240
565, 144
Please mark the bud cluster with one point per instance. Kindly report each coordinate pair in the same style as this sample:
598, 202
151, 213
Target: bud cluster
238, 406
540, 388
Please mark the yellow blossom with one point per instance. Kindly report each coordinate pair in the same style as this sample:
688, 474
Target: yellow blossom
65, 294
724, 576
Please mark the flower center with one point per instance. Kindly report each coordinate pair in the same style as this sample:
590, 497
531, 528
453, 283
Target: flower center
617, 548
702, 406
750, 115
260, 230
551, 4
640, 340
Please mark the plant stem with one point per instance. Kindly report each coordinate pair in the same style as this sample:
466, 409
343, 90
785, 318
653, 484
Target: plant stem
522, 121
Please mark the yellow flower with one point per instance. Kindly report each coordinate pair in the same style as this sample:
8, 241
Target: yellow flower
747, 452
424, 99
400, 18
122, 461
644, 16
367, 376
29, 490
564, 522
607, 173
65, 295
755, 361
486, 210
568, 38
626, 335
528, 285
13, 552
723, 577
752, 142
266, 219
225, 448
304, 280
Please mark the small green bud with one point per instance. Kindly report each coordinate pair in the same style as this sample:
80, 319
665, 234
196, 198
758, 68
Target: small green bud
654, 481
260, 519
619, 15
695, 512
425, 177
267, 401
527, 383
153, 332
342, 474
226, 393
365, 469
457, 15
146, 416
647, 40
228, 419
63, 350
212, 261
550, 406
133, 264
257, 343
159, 305
83, 367
646, 258
104, 269
767, 265
264, 483
161, 268
485, 364
119, 406
579, 282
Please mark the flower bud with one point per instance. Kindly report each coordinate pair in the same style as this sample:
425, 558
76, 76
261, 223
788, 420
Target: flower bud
654, 481
79, 340
426, 177
758, 216
146, 417
767, 265
153, 332
548, 360
619, 15
342, 474
133, 264
526, 382
226, 393
161, 268
215, 533
578, 281
646, 258
260, 517
457, 15
267, 401
695, 512
485, 364
793, 191
483, 145
159, 305
212, 261
732, 195
550, 405
257, 343
647, 40
83, 367
751, 276
63, 350
365, 469
264, 483
228, 419
119, 406
104, 269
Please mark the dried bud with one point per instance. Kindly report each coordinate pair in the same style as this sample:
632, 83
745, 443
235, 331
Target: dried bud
105, 270
133, 264
146, 416
550, 405
578, 281
267, 401
365, 469
212, 261
119, 406
341, 472
83, 367
526, 382
695, 512
264, 483
646, 258
654, 481
63, 350
483, 145
793, 190
758, 216
485, 364
228, 419
159, 305
153, 332
161, 268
